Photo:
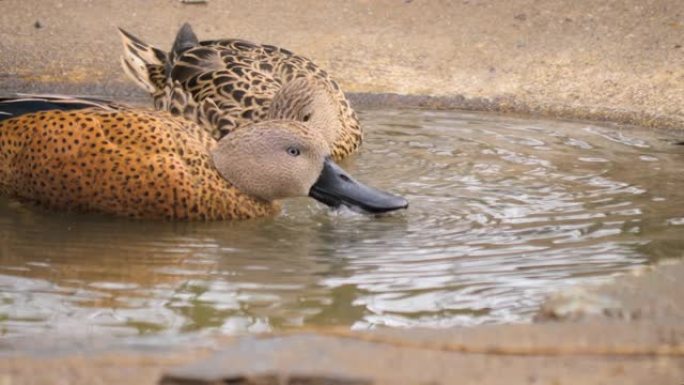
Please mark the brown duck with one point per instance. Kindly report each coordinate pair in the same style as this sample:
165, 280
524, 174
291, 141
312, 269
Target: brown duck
95, 156
223, 84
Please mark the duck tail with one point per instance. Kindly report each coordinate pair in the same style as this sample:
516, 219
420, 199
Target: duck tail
21, 104
185, 40
143, 63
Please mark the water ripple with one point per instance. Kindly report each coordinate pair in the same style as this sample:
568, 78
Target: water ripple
503, 211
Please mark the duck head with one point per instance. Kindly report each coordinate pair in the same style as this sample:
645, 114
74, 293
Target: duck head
273, 160
315, 104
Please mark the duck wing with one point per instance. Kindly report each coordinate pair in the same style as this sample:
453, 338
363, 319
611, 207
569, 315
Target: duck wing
21, 104
281, 63
236, 89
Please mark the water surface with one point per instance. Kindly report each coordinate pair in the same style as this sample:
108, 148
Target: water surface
503, 211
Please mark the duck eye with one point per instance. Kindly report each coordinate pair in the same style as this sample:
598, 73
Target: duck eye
306, 117
293, 151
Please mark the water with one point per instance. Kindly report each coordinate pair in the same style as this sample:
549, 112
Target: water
503, 211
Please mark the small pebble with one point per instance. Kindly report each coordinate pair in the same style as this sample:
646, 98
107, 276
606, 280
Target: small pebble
37, 25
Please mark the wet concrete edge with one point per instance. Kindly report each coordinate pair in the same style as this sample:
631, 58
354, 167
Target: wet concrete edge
672, 125
630, 330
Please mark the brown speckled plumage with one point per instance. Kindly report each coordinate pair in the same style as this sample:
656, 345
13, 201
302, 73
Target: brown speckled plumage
223, 84
135, 163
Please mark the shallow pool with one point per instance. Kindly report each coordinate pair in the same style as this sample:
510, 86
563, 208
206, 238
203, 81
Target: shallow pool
502, 212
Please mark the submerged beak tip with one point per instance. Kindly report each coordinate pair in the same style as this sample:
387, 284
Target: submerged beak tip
392, 204
336, 188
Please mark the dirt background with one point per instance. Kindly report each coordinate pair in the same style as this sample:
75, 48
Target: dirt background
619, 60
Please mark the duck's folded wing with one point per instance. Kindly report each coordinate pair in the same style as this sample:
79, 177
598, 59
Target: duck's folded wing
248, 49
143, 63
20, 104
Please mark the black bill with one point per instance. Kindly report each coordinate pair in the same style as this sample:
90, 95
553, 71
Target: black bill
335, 187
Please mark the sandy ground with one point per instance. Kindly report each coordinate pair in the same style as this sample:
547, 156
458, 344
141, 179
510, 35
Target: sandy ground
618, 60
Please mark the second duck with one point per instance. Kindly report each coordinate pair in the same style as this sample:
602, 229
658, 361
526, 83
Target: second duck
223, 84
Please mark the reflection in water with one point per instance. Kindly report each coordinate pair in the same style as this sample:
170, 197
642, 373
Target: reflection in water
503, 211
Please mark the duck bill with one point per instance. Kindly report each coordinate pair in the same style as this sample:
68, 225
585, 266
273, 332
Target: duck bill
335, 188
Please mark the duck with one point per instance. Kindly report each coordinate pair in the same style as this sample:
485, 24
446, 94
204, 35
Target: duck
222, 84
92, 155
